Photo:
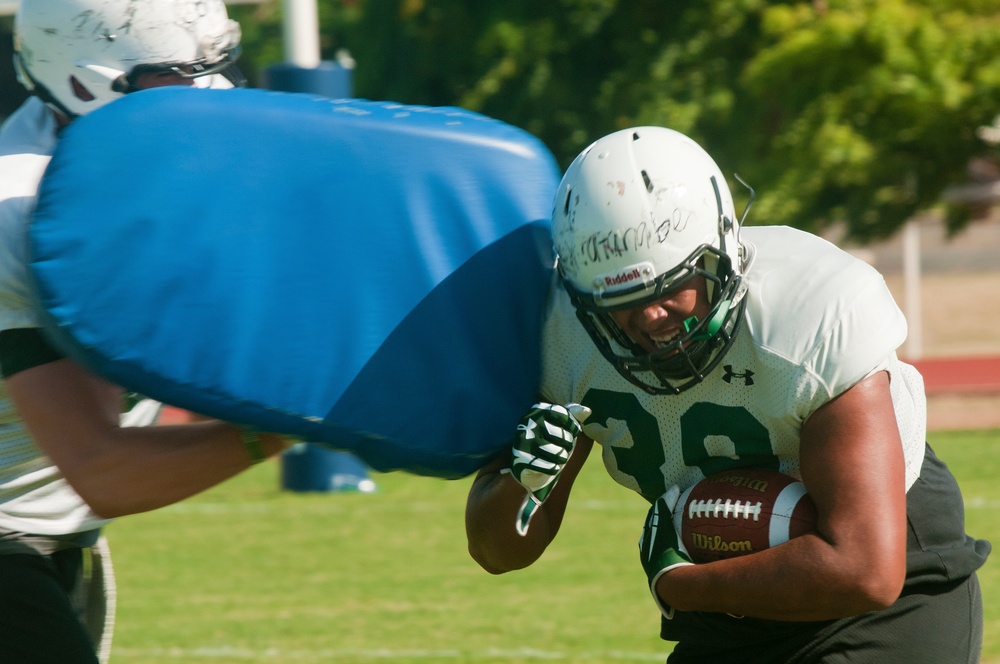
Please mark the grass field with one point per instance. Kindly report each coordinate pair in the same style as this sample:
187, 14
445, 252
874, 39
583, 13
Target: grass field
250, 573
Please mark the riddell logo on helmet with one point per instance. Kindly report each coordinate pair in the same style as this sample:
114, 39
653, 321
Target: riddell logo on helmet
628, 276
626, 279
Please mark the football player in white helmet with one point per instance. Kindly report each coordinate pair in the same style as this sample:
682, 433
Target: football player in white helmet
75, 56
685, 344
684, 231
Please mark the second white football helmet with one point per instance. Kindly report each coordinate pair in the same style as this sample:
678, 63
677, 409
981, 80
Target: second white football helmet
78, 55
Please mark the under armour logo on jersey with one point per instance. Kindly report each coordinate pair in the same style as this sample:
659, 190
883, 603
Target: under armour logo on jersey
747, 375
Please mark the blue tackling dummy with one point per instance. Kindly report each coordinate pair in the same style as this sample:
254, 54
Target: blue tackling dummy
366, 275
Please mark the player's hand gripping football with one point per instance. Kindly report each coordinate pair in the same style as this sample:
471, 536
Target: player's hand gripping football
660, 550
544, 442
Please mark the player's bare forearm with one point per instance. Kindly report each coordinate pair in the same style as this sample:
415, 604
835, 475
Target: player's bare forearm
852, 466
145, 468
491, 510
799, 580
73, 417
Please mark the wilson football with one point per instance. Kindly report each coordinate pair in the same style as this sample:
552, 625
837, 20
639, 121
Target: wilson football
737, 512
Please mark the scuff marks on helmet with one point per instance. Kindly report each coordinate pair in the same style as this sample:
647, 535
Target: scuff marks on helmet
129, 16
79, 23
90, 25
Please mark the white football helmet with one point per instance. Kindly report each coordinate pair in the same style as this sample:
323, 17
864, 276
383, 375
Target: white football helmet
638, 213
77, 55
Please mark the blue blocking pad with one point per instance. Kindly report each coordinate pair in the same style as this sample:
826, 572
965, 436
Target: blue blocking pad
366, 275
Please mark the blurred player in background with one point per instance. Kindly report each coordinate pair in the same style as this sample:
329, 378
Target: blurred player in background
74, 56
685, 346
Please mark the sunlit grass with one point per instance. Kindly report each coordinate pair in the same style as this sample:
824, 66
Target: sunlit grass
247, 572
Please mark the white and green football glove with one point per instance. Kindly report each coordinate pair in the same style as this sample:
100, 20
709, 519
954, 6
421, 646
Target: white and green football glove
660, 550
545, 439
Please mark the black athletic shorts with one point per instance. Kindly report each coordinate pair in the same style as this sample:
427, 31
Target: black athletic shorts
38, 623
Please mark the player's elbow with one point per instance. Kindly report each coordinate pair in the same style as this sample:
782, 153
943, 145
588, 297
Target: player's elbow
487, 564
102, 502
104, 498
873, 597
876, 587
881, 593
496, 561
108, 510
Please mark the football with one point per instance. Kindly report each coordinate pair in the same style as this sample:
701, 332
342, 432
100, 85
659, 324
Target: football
737, 512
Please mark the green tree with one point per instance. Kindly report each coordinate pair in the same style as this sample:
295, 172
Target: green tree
867, 112
860, 111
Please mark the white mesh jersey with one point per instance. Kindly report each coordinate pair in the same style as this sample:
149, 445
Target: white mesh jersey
34, 497
817, 321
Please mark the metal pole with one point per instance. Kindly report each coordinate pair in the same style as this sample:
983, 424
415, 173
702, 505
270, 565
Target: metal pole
309, 466
911, 286
301, 33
